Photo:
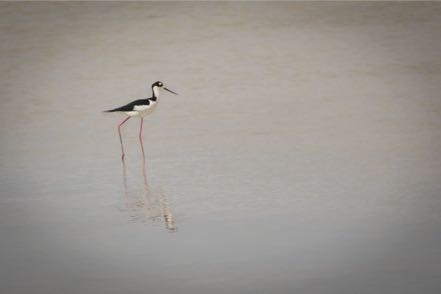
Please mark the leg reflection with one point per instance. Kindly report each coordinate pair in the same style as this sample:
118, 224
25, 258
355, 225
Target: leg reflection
148, 204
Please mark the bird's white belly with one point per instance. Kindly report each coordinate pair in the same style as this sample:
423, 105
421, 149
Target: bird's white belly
142, 110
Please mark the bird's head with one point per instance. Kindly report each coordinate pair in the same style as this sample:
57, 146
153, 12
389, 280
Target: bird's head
158, 87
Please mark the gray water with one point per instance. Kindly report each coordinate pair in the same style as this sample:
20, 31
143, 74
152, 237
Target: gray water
301, 156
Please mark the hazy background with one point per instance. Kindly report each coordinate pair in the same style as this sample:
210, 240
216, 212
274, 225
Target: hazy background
301, 156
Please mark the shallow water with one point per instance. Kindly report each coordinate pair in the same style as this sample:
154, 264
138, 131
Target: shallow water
301, 156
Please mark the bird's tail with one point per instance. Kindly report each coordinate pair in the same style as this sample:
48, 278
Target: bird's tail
122, 108
110, 110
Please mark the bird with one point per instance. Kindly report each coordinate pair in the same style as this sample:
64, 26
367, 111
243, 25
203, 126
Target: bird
140, 108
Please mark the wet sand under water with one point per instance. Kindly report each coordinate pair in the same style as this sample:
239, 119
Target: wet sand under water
301, 156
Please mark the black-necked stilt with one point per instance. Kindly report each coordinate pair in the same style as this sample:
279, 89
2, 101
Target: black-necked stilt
140, 108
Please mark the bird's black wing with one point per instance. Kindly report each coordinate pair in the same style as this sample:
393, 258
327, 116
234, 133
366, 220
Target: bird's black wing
130, 106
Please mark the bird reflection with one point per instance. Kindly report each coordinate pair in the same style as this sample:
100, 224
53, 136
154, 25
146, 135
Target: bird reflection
148, 205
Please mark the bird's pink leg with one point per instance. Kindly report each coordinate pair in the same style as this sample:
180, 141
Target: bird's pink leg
140, 137
120, 138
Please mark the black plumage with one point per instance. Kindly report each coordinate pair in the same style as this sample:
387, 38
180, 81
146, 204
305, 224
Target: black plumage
131, 106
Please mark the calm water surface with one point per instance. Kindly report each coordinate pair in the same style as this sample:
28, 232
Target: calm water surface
301, 156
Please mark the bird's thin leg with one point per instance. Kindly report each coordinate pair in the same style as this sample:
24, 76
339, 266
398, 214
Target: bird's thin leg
140, 137
120, 138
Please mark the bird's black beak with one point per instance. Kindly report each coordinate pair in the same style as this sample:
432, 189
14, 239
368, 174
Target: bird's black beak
170, 91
